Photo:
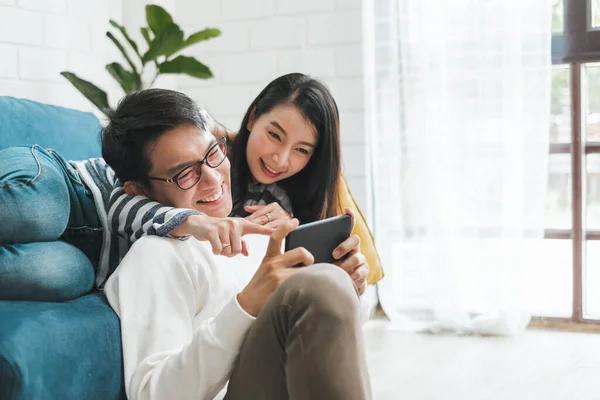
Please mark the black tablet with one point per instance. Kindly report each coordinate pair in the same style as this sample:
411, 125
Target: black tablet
320, 238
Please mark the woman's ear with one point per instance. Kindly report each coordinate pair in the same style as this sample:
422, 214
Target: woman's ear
250, 123
134, 189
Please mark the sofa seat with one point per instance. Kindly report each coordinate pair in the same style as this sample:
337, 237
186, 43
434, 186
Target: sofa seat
68, 350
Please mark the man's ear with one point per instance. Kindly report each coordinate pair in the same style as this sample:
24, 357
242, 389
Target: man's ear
134, 189
250, 123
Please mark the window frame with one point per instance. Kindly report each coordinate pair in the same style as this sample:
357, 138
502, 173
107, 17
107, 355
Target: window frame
579, 41
577, 45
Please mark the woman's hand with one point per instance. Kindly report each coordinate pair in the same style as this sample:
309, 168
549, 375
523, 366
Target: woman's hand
351, 260
270, 215
224, 234
219, 131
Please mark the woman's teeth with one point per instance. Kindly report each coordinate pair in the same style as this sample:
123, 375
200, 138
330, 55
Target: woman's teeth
212, 198
269, 169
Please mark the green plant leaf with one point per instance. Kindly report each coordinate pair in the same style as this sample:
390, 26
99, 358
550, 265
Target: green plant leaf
165, 43
200, 36
125, 78
92, 92
133, 44
146, 35
158, 18
185, 65
123, 51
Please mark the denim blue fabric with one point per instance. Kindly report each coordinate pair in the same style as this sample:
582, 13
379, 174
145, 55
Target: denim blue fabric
42, 198
68, 350
53, 350
44, 271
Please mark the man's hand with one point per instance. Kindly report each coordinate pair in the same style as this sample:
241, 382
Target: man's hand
270, 215
224, 234
351, 260
274, 269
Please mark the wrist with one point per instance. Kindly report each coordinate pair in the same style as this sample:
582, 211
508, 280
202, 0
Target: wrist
186, 227
246, 304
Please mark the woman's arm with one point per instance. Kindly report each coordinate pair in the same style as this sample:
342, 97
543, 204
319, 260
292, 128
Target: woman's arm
132, 217
219, 131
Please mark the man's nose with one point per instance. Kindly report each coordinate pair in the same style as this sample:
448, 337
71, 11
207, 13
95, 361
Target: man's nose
209, 175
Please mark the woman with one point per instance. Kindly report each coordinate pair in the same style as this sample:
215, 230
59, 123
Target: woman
286, 161
309, 176
290, 137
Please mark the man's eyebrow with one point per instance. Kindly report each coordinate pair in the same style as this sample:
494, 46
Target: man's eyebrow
276, 124
179, 167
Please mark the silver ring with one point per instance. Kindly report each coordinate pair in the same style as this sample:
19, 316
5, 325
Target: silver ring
225, 244
268, 217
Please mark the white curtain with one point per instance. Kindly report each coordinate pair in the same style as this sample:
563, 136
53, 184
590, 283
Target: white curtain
459, 116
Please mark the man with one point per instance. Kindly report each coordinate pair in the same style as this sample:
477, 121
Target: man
190, 320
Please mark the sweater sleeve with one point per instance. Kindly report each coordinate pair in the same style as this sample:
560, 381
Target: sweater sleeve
365, 309
132, 217
157, 291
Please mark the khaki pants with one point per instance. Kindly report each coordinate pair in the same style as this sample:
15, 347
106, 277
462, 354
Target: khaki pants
306, 343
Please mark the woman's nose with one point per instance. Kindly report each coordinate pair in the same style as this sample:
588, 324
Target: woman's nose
281, 158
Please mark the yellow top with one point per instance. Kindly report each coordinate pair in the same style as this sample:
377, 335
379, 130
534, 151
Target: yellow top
367, 243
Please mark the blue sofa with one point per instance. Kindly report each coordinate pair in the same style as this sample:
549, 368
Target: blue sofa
68, 350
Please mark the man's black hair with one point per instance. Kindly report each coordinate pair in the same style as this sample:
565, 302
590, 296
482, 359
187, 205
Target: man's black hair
138, 121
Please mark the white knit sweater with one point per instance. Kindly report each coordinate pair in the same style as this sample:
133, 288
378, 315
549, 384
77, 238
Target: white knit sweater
181, 324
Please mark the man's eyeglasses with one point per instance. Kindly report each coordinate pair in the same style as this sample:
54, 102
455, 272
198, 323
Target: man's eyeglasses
189, 176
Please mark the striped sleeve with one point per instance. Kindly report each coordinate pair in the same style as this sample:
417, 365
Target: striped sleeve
133, 217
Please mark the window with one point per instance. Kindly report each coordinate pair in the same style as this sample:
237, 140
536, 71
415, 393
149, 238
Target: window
595, 14
557, 16
573, 206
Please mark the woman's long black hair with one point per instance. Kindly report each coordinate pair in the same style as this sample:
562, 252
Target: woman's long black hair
314, 190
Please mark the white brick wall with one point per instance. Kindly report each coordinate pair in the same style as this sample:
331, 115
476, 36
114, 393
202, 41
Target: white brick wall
339, 27
249, 67
242, 10
278, 33
21, 26
264, 39
9, 65
67, 33
306, 6
46, 6
319, 60
39, 64
41, 38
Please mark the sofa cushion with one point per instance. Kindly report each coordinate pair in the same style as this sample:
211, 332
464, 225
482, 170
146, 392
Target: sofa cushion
74, 134
60, 350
